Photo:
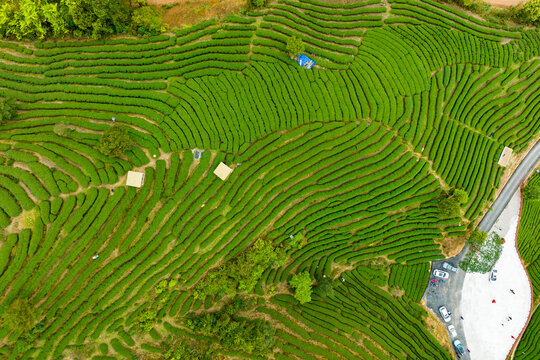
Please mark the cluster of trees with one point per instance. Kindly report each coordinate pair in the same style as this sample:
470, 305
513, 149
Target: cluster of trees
450, 206
8, 109
115, 141
40, 19
234, 332
175, 348
484, 252
241, 273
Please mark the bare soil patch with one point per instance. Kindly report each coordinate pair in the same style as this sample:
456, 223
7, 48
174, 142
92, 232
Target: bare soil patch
190, 12
504, 3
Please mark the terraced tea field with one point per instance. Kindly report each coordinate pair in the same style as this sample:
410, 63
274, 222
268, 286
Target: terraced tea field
409, 99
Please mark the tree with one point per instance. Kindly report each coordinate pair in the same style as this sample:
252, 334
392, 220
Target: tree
257, 3
302, 285
147, 20
19, 316
295, 46
482, 258
461, 196
8, 109
477, 238
531, 11
242, 272
115, 141
451, 205
325, 286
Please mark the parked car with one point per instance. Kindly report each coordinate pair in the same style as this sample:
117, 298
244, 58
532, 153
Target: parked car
449, 267
452, 330
445, 314
440, 274
493, 276
458, 346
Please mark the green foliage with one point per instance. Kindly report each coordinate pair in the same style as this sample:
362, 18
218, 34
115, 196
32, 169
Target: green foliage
147, 20
32, 19
241, 273
531, 11
257, 3
145, 321
528, 241
39, 19
234, 332
20, 315
295, 46
302, 284
483, 258
451, 205
176, 348
115, 141
476, 239
325, 285
8, 109
531, 191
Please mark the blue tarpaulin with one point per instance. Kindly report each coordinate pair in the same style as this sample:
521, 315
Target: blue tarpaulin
305, 62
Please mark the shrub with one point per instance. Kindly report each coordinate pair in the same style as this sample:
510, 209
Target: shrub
115, 141
302, 285
295, 46
8, 109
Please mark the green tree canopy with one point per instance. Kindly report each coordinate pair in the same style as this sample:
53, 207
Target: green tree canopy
234, 332
531, 11
20, 315
302, 285
295, 46
115, 141
477, 238
147, 20
242, 272
8, 109
325, 286
482, 258
451, 205
39, 19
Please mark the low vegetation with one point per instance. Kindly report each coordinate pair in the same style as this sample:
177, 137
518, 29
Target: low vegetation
318, 244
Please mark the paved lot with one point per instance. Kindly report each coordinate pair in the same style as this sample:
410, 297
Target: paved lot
448, 294
492, 328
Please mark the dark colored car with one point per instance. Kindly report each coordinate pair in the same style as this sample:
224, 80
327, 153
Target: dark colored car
458, 346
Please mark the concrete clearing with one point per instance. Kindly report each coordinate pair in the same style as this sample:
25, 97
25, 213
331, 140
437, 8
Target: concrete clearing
491, 328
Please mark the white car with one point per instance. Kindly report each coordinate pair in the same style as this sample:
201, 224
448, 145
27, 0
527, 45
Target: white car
445, 314
449, 267
452, 330
440, 274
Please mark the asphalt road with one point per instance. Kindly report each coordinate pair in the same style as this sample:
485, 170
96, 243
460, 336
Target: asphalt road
448, 293
510, 188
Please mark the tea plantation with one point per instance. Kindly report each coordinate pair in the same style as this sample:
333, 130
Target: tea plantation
341, 168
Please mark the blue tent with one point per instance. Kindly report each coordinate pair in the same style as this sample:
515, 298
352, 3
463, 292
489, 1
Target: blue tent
305, 62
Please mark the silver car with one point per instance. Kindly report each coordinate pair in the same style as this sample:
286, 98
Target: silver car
445, 314
440, 274
452, 330
449, 267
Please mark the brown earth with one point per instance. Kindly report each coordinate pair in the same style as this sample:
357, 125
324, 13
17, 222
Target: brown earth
189, 12
504, 3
